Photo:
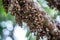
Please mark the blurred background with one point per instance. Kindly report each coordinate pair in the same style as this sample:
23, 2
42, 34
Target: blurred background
10, 30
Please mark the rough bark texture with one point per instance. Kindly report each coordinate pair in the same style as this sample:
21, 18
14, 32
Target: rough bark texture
36, 18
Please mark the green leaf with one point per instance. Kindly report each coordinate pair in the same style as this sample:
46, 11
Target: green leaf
32, 37
28, 33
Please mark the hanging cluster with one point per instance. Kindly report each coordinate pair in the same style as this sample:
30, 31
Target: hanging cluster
26, 11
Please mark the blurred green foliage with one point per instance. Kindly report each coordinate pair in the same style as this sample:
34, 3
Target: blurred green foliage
4, 17
27, 34
52, 12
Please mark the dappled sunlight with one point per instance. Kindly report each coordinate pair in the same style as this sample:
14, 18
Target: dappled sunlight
19, 33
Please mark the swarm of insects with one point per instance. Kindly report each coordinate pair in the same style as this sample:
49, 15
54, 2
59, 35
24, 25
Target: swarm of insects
38, 21
54, 3
5, 3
